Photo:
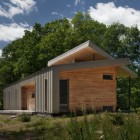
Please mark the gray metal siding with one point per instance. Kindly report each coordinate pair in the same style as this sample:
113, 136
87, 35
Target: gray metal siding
49, 92
12, 94
55, 93
40, 92
9, 97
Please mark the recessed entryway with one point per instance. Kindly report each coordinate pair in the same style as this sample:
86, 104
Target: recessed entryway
28, 97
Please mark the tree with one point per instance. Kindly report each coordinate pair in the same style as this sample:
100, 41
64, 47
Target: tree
32, 52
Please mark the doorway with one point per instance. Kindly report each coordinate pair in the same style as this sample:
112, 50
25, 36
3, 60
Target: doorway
28, 97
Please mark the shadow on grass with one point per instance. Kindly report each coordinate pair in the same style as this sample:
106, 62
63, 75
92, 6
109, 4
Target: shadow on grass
103, 126
39, 132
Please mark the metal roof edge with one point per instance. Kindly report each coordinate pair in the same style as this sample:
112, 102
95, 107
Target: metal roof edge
99, 50
133, 74
74, 50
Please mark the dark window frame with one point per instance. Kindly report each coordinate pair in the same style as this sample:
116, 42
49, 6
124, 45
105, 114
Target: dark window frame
46, 88
67, 91
64, 105
107, 76
33, 95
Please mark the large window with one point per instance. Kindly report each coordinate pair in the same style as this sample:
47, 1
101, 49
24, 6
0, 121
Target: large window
63, 91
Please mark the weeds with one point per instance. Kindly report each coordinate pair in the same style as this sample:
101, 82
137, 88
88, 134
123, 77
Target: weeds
24, 117
102, 126
118, 119
109, 127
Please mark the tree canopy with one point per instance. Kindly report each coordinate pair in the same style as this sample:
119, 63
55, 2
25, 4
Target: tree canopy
32, 52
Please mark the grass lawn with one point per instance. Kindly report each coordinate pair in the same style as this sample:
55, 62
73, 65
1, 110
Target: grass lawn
102, 126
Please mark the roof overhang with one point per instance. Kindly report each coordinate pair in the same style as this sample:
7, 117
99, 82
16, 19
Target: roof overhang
123, 71
87, 44
118, 63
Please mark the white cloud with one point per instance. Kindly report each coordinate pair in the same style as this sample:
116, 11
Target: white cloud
59, 14
68, 5
0, 53
69, 19
15, 7
54, 13
10, 32
76, 2
74, 12
108, 13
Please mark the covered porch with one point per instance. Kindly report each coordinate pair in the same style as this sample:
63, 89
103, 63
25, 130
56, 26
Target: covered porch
28, 97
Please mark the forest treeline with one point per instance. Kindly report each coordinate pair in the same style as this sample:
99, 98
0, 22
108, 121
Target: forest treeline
32, 52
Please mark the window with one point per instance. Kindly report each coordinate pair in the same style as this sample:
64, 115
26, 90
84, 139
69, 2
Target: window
45, 94
33, 95
64, 89
108, 77
16, 99
9, 104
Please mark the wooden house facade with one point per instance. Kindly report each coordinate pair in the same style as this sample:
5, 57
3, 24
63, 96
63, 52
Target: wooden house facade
83, 76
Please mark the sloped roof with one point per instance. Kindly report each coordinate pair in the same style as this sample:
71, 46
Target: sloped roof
88, 45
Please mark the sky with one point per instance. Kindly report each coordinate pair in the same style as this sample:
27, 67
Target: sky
19, 15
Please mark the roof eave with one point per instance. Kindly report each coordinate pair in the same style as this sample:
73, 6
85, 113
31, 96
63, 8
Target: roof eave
131, 73
100, 51
70, 52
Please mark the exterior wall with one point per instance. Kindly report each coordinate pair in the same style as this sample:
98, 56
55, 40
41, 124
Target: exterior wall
112, 65
87, 87
11, 98
12, 94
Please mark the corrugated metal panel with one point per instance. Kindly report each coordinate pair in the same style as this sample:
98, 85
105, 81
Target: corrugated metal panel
49, 91
36, 96
55, 92
12, 94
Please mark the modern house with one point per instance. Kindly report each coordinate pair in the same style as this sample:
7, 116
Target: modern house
85, 75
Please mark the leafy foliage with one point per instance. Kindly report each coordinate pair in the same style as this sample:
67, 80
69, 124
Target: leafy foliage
32, 52
24, 117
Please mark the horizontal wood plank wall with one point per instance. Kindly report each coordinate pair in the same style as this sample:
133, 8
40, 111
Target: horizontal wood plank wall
87, 87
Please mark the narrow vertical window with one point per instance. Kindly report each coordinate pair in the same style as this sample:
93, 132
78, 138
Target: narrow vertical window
64, 94
9, 104
33, 95
45, 94
16, 103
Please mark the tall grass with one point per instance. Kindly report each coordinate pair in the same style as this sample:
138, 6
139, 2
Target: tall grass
101, 126
105, 127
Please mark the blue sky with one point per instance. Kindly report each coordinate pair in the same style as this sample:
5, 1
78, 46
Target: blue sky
19, 15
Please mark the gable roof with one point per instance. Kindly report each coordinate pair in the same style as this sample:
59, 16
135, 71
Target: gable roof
86, 45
